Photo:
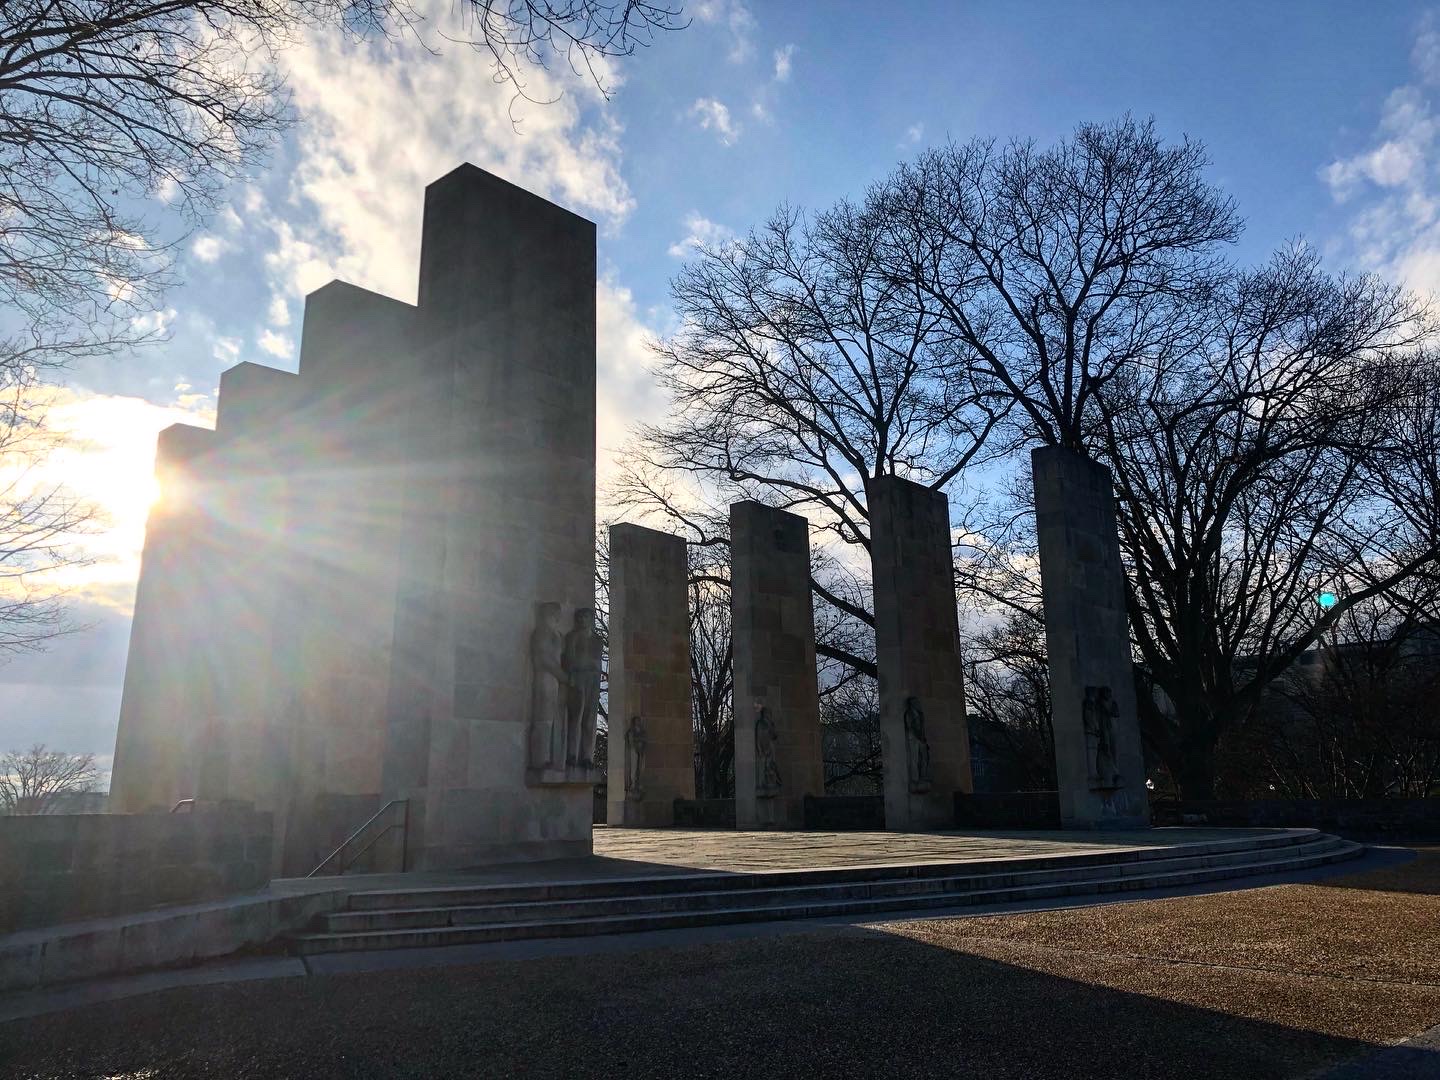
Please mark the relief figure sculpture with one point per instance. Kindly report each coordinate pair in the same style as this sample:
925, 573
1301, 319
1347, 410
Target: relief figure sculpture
1099, 713
581, 661
767, 769
917, 747
635, 759
547, 690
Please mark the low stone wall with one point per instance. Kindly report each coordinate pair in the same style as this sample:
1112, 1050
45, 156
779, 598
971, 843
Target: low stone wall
845, 813
1358, 819
705, 813
1008, 810
167, 937
57, 868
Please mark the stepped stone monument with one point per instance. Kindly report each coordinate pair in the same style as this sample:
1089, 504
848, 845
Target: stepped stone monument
652, 755
1099, 761
924, 737
341, 593
778, 757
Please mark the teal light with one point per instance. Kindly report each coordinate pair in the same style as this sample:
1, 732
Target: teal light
1327, 600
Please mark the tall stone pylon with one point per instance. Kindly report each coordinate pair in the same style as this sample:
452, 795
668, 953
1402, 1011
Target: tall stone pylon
652, 741
1099, 760
166, 688
778, 757
923, 732
500, 509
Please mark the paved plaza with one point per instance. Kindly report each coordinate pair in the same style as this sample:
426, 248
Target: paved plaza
753, 852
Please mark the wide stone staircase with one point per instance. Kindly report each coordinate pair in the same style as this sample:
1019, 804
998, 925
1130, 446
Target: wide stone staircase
455, 915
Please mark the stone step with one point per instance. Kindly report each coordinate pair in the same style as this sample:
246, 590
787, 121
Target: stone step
776, 895
711, 880
1282, 863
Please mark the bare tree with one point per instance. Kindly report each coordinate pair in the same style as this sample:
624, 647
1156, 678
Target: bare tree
801, 371
711, 672
33, 781
1052, 270
1007, 681
1249, 470
1357, 717
585, 33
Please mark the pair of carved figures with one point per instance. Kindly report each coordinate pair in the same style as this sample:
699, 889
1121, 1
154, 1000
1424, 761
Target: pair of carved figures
565, 691
1099, 714
767, 768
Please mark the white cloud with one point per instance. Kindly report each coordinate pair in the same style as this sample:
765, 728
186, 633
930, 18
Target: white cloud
154, 322
277, 345
1393, 185
381, 120
713, 114
735, 18
231, 221
227, 351
913, 134
700, 230
1426, 54
208, 247
782, 63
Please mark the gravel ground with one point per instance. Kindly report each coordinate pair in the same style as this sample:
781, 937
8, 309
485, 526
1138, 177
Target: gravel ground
1267, 983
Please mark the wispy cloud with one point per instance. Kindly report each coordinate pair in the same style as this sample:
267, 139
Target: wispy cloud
277, 345
715, 116
735, 18
700, 230
782, 63
1393, 184
380, 121
208, 247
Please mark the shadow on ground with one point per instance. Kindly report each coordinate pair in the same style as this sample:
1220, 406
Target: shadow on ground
839, 1003
1420, 875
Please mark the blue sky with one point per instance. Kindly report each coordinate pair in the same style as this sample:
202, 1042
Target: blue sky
1317, 117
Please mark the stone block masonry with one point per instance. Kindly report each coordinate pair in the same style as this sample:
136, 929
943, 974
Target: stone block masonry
57, 868
923, 732
500, 517
778, 758
337, 603
1099, 761
651, 748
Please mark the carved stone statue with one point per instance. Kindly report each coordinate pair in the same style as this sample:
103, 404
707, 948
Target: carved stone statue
1099, 713
917, 746
581, 661
547, 683
767, 769
635, 759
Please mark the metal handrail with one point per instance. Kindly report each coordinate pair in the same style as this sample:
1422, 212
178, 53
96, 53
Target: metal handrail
183, 802
404, 839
